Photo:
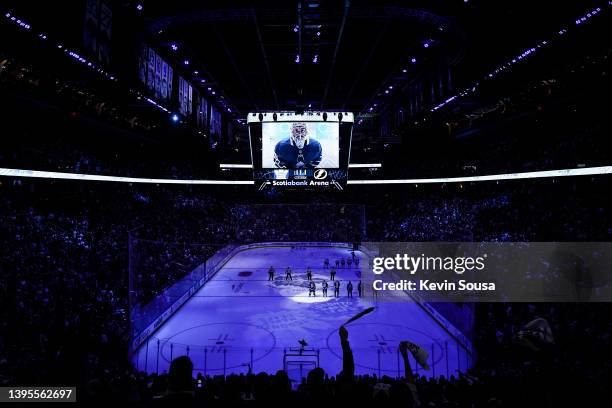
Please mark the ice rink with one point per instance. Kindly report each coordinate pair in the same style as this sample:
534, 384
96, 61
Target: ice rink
240, 318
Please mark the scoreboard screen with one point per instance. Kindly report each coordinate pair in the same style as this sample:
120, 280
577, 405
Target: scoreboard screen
300, 145
300, 150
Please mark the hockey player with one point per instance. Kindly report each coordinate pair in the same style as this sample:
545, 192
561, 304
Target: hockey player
336, 288
332, 274
326, 263
298, 151
359, 289
271, 273
311, 289
349, 262
342, 262
288, 274
309, 274
337, 263
356, 262
349, 289
325, 285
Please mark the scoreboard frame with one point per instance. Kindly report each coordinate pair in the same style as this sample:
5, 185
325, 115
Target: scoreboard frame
317, 178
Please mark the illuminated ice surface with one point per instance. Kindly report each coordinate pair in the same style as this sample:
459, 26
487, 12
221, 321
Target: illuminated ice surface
239, 318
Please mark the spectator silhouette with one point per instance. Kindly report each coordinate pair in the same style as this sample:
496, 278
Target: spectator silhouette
181, 387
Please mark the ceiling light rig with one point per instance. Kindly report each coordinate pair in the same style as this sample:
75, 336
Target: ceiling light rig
389, 88
74, 55
198, 80
507, 66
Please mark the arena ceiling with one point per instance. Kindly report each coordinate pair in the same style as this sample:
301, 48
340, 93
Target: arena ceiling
349, 50
322, 54
337, 54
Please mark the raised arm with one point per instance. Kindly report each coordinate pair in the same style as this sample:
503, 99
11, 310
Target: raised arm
348, 363
410, 380
403, 347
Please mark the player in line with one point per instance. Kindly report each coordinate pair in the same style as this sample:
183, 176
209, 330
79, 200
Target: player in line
336, 288
311, 289
271, 273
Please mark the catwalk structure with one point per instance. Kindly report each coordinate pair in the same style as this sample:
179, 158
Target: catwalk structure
242, 319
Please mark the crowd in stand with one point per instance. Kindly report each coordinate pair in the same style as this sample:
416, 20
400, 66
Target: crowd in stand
310, 223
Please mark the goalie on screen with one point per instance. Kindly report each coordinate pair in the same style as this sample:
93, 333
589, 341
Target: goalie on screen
298, 151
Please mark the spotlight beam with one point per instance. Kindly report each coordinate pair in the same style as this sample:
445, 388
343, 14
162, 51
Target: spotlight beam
347, 4
232, 61
366, 63
265, 57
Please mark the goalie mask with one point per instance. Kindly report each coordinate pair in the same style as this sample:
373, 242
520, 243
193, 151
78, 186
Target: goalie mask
299, 135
